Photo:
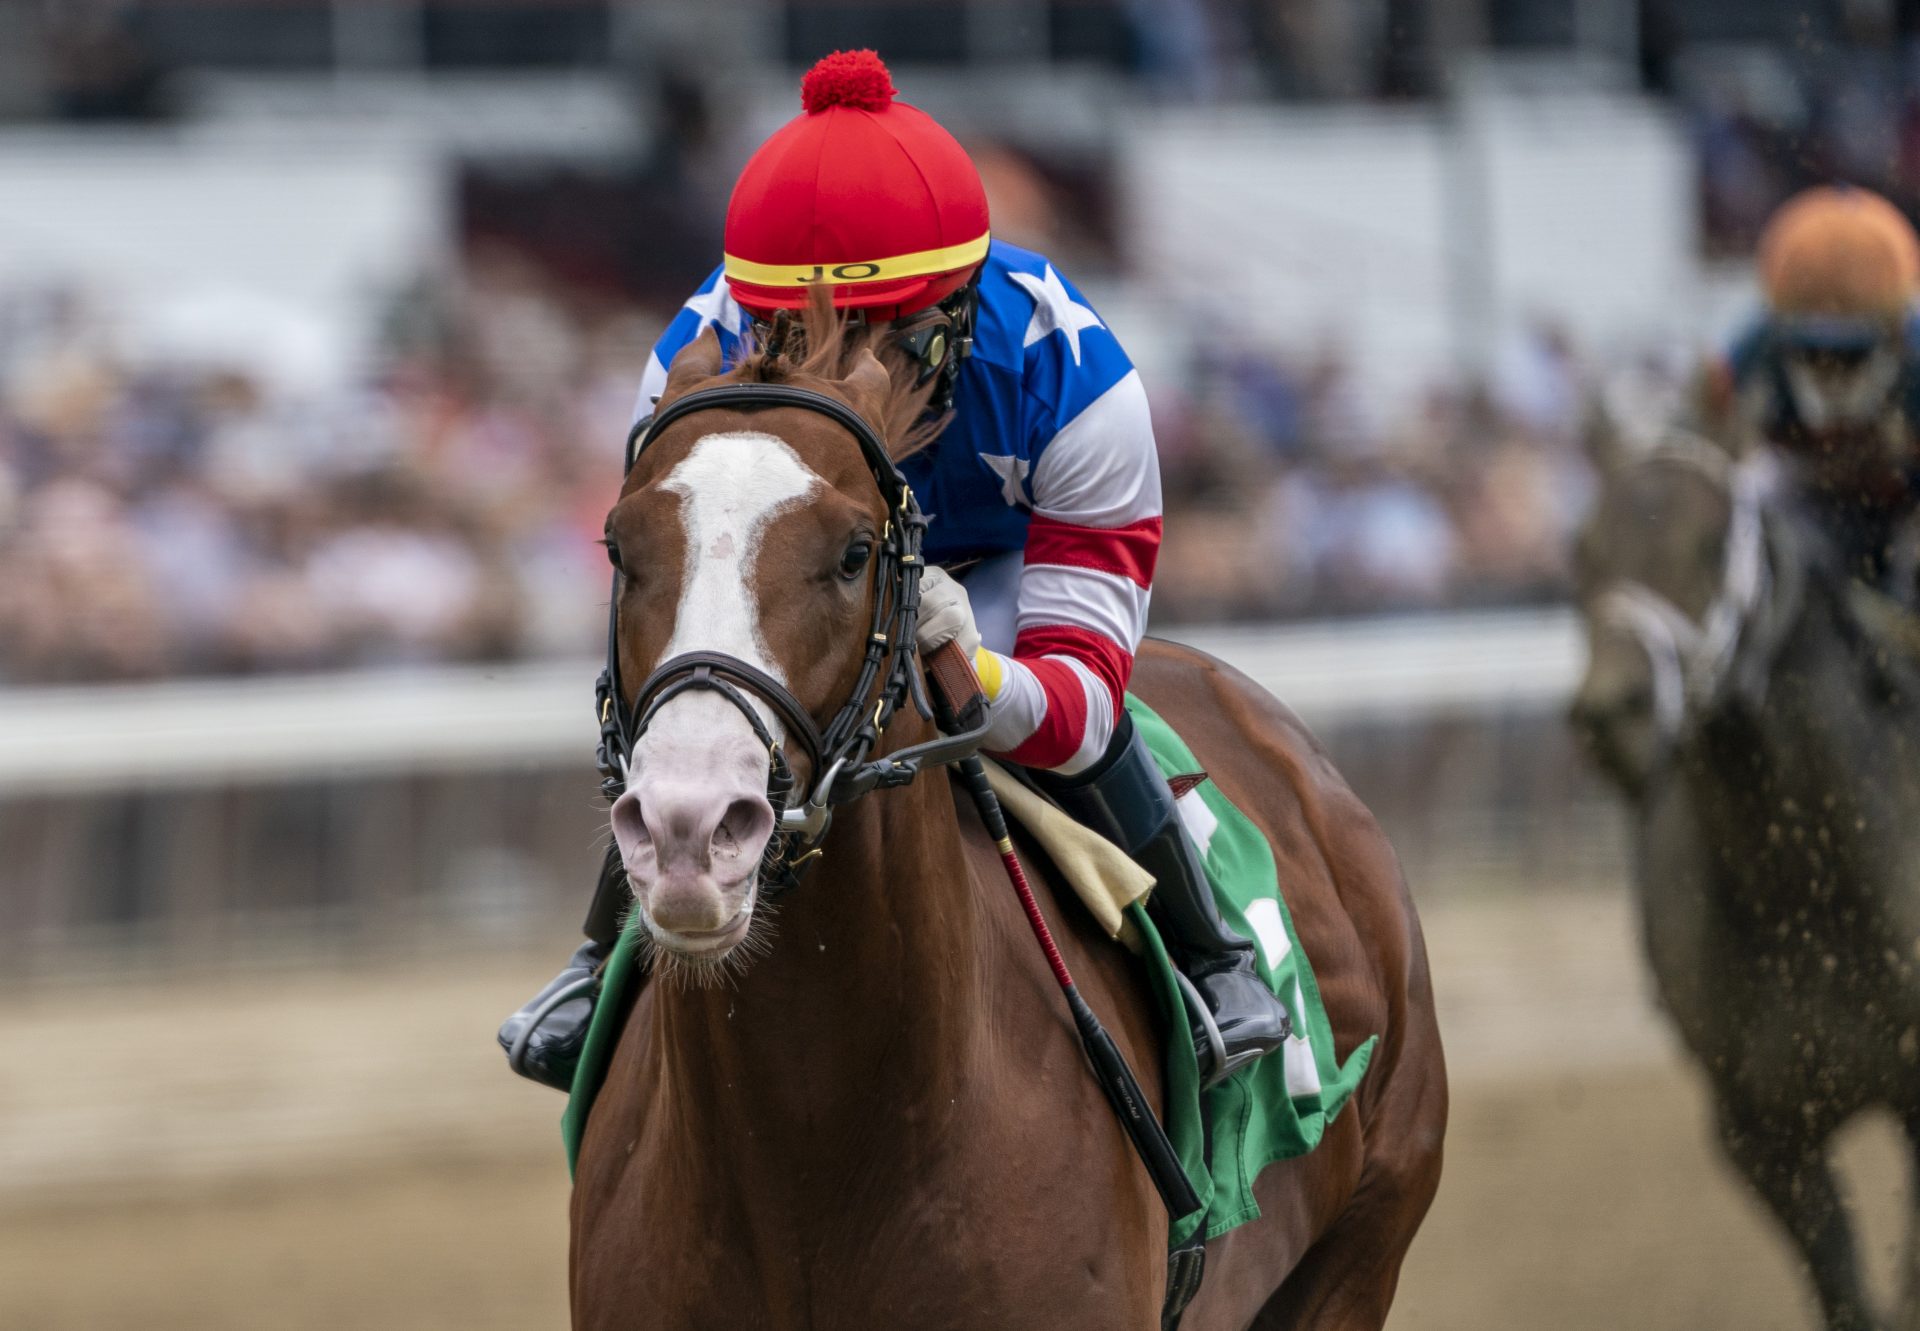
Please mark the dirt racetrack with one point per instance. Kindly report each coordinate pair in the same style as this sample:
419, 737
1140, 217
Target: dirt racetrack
228, 1154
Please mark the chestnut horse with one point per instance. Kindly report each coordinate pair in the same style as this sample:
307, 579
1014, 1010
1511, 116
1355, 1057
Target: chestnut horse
886, 1119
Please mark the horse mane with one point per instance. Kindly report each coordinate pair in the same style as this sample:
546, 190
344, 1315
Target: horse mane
820, 352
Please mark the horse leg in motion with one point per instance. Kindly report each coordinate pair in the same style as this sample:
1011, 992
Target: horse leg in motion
1908, 1317
1786, 1163
1346, 1280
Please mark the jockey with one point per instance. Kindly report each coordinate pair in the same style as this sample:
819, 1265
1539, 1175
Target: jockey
1044, 489
1831, 373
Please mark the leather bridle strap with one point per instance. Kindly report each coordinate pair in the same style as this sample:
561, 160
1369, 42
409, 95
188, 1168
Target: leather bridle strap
725, 675
751, 397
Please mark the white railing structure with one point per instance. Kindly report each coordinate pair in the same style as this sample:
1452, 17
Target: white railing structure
451, 719
174, 820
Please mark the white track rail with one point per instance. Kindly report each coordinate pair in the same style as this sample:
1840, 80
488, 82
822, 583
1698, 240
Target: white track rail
201, 732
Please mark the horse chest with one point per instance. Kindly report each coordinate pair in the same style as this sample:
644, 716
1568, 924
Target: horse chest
960, 1246
1010, 1202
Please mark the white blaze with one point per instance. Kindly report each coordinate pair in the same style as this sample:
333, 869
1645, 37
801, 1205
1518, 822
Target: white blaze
730, 486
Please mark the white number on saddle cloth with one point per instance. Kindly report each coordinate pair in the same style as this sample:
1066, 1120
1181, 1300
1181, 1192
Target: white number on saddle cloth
1269, 930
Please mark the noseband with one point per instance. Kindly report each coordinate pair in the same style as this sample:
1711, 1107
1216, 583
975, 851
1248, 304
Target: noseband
837, 754
1692, 661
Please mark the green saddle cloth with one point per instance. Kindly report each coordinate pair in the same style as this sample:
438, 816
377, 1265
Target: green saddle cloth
1273, 1110
1279, 1107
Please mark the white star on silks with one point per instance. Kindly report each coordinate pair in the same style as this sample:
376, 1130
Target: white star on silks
1055, 310
714, 307
1012, 472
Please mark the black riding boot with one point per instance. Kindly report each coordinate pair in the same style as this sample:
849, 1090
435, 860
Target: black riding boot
1126, 799
544, 1038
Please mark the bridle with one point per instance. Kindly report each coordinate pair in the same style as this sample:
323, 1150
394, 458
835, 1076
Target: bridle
1692, 660
837, 753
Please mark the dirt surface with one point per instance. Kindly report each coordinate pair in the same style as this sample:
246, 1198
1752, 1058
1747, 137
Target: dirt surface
229, 1154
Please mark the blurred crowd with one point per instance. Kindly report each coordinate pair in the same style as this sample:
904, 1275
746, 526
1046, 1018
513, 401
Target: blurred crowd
160, 516
1288, 493
1766, 126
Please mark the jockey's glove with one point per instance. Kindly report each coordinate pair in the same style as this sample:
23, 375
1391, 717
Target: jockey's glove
946, 615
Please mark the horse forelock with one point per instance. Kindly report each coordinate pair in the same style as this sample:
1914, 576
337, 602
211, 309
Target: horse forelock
823, 352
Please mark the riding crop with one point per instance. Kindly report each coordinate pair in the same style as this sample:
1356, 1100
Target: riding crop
953, 678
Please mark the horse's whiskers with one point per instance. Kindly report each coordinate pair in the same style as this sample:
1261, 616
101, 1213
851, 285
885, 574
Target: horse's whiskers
681, 972
759, 940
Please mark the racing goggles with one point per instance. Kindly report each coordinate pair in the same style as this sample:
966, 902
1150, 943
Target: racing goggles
934, 341
1841, 373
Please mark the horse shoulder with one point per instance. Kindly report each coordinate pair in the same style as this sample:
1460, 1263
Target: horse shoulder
1072, 1144
1338, 873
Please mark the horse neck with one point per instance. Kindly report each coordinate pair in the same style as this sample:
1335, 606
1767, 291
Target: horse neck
870, 986
1815, 770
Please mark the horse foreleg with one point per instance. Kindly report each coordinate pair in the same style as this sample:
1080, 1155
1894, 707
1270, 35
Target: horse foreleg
1346, 1280
1908, 1316
1789, 1169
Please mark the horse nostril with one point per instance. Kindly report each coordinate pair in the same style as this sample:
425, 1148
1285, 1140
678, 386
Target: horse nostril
629, 823
744, 827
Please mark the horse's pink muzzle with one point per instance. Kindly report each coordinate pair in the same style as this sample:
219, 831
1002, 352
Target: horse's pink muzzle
692, 845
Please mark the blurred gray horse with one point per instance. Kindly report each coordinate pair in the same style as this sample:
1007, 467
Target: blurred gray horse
1761, 710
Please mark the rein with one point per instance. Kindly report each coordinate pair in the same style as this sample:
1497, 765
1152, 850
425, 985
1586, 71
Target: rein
1692, 660
837, 753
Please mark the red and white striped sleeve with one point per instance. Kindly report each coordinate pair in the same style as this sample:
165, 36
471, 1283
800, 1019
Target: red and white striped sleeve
1090, 554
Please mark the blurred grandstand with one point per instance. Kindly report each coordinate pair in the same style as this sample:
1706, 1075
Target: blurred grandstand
166, 517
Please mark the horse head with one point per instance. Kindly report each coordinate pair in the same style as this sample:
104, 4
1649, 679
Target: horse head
746, 535
1671, 569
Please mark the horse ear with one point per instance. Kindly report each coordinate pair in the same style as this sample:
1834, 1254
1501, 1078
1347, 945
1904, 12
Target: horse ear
698, 361
870, 387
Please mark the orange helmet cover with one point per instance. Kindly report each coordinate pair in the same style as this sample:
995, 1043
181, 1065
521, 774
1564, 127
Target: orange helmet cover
1839, 252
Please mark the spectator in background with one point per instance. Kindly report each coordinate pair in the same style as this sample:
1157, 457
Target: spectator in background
78, 600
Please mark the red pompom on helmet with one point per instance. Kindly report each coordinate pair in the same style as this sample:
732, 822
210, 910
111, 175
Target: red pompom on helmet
859, 193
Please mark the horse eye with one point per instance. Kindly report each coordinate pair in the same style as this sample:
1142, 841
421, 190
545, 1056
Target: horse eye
855, 559
613, 548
